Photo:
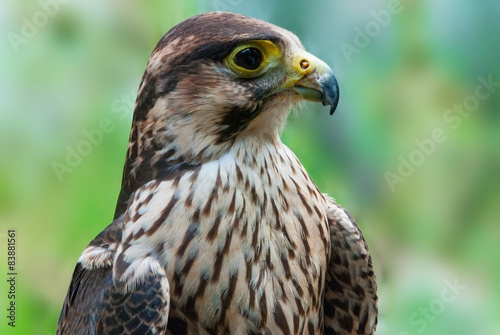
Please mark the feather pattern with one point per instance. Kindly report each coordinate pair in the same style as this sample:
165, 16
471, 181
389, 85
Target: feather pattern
219, 229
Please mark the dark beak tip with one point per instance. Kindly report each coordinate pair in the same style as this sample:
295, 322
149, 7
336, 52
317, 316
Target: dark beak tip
331, 99
331, 93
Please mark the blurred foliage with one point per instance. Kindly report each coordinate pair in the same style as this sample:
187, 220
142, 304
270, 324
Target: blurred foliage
440, 224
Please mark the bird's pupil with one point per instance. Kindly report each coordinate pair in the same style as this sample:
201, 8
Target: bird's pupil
249, 58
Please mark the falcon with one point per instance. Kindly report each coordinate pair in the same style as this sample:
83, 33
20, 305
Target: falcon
218, 228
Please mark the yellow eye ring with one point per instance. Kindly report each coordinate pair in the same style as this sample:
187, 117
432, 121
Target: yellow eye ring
253, 58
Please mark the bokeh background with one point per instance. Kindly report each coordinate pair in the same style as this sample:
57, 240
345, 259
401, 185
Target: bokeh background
434, 227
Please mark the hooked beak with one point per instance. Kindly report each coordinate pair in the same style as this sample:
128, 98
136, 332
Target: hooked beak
314, 80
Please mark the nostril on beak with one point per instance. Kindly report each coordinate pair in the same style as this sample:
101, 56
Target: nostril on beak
304, 64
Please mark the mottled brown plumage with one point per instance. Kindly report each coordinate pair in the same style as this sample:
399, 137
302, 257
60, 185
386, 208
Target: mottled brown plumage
218, 227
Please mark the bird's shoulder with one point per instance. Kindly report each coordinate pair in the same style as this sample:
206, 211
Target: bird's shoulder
91, 277
100, 251
350, 286
103, 303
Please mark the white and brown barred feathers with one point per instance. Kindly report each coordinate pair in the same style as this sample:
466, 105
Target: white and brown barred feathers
218, 227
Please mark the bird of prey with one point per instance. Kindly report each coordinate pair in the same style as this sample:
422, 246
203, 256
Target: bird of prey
218, 228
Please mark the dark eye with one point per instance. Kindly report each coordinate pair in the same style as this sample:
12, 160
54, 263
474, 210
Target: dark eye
249, 58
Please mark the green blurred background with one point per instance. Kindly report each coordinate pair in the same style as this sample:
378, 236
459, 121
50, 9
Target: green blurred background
399, 78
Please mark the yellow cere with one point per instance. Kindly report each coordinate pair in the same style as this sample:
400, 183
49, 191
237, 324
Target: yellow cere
271, 55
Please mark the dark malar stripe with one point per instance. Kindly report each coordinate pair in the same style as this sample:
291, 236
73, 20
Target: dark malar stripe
234, 121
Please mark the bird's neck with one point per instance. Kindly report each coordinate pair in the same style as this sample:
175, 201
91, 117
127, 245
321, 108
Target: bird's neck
164, 155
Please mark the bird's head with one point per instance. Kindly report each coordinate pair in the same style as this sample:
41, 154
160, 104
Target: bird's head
214, 79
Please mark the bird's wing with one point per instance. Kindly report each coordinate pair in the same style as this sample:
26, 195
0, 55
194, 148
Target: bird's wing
97, 304
350, 289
